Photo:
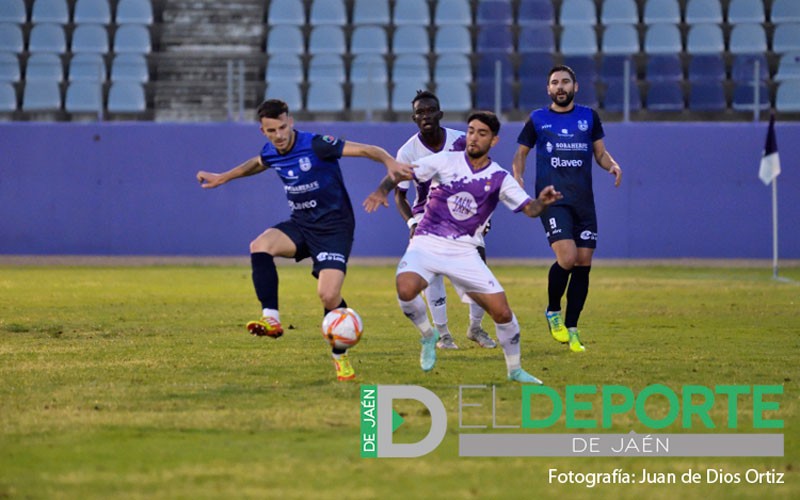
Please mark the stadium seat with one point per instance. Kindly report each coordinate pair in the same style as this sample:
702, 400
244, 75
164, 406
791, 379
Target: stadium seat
787, 98
126, 97
454, 96
485, 95
326, 68
705, 39
535, 13
746, 11
785, 11
449, 12
786, 38
44, 66
134, 12
585, 68
84, 97
87, 68
703, 11
452, 40
578, 40
47, 37
327, 12
286, 12
92, 12
41, 95
663, 39
788, 67
9, 67
89, 38
486, 67
661, 11
707, 95
532, 94
411, 13
325, 98
453, 67
13, 11
284, 67
285, 40
410, 39
586, 94
534, 68
132, 38
8, 98
327, 40
612, 68
664, 96
369, 97
369, 40
743, 67
11, 39
619, 12
664, 67
536, 38
614, 100
704, 67
744, 97
403, 92
367, 68
748, 38
410, 67
288, 92
50, 11
494, 12
130, 68
493, 39
577, 12
620, 39
371, 12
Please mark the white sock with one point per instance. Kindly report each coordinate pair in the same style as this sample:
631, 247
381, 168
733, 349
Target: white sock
476, 313
509, 337
442, 329
436, 295
415, 311
271, 313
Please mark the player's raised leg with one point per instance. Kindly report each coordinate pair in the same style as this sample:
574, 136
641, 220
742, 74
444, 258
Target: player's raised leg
409, 285
269, 244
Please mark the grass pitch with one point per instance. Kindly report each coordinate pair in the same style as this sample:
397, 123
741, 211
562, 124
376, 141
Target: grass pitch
141, 382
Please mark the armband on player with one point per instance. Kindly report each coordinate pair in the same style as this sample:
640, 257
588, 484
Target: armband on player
411, 222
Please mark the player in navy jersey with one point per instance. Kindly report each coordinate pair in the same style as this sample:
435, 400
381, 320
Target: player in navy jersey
322, 223
566, 137
432, 138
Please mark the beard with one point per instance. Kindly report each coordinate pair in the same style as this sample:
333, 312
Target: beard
476, 153
570, 96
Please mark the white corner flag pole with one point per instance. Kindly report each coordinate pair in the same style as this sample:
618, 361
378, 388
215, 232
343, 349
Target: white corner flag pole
775, 227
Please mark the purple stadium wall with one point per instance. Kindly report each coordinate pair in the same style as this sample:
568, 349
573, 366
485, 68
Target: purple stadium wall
690, 190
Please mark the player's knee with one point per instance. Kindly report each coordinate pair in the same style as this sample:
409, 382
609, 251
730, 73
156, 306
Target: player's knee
406, 289
567, 262
330, 298
503, 316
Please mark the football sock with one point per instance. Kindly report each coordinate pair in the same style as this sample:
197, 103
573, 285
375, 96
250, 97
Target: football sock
508, 335
476, 313
576, 295
557, 281
436, 296
337, 353
265, 279
271, 313
342, 304
415, 311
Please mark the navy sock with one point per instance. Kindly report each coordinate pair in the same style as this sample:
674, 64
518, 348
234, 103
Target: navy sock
576, 294
557, 281
343, 304
265, 279
334, 349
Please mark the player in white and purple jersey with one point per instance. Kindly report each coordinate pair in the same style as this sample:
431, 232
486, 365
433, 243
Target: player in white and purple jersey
566, 137
468, 188
321, 225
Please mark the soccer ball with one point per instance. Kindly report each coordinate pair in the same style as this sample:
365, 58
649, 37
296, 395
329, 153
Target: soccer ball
342, 328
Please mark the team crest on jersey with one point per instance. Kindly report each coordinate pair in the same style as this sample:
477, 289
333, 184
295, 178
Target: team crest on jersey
488, 186
549, 147
305, 163
329, 139
583, 125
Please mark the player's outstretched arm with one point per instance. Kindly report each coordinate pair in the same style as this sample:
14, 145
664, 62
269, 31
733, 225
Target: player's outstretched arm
209, 180
379, 197
604, 159
518, 163
546, 197
397, 170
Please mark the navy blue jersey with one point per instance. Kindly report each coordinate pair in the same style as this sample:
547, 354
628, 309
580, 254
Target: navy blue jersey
313, 181
564, 151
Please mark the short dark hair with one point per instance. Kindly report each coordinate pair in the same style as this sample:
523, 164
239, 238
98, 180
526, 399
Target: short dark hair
425, 94
562, 67
272, 108
487, 118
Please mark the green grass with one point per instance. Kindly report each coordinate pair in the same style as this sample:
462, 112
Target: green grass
141, 382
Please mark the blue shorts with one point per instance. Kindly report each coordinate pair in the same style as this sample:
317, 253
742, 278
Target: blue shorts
563, 222
327, 250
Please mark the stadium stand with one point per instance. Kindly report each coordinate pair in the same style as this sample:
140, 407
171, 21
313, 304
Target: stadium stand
92, 12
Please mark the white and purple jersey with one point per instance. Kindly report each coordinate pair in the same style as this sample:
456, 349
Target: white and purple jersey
414, 149
460, 205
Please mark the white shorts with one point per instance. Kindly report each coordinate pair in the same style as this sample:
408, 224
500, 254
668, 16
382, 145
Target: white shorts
429, 256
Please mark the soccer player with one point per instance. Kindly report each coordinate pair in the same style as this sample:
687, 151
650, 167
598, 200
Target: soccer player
468, 187
322, 223
566, 136
433, 138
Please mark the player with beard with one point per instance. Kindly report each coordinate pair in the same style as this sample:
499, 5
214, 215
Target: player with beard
566, 136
